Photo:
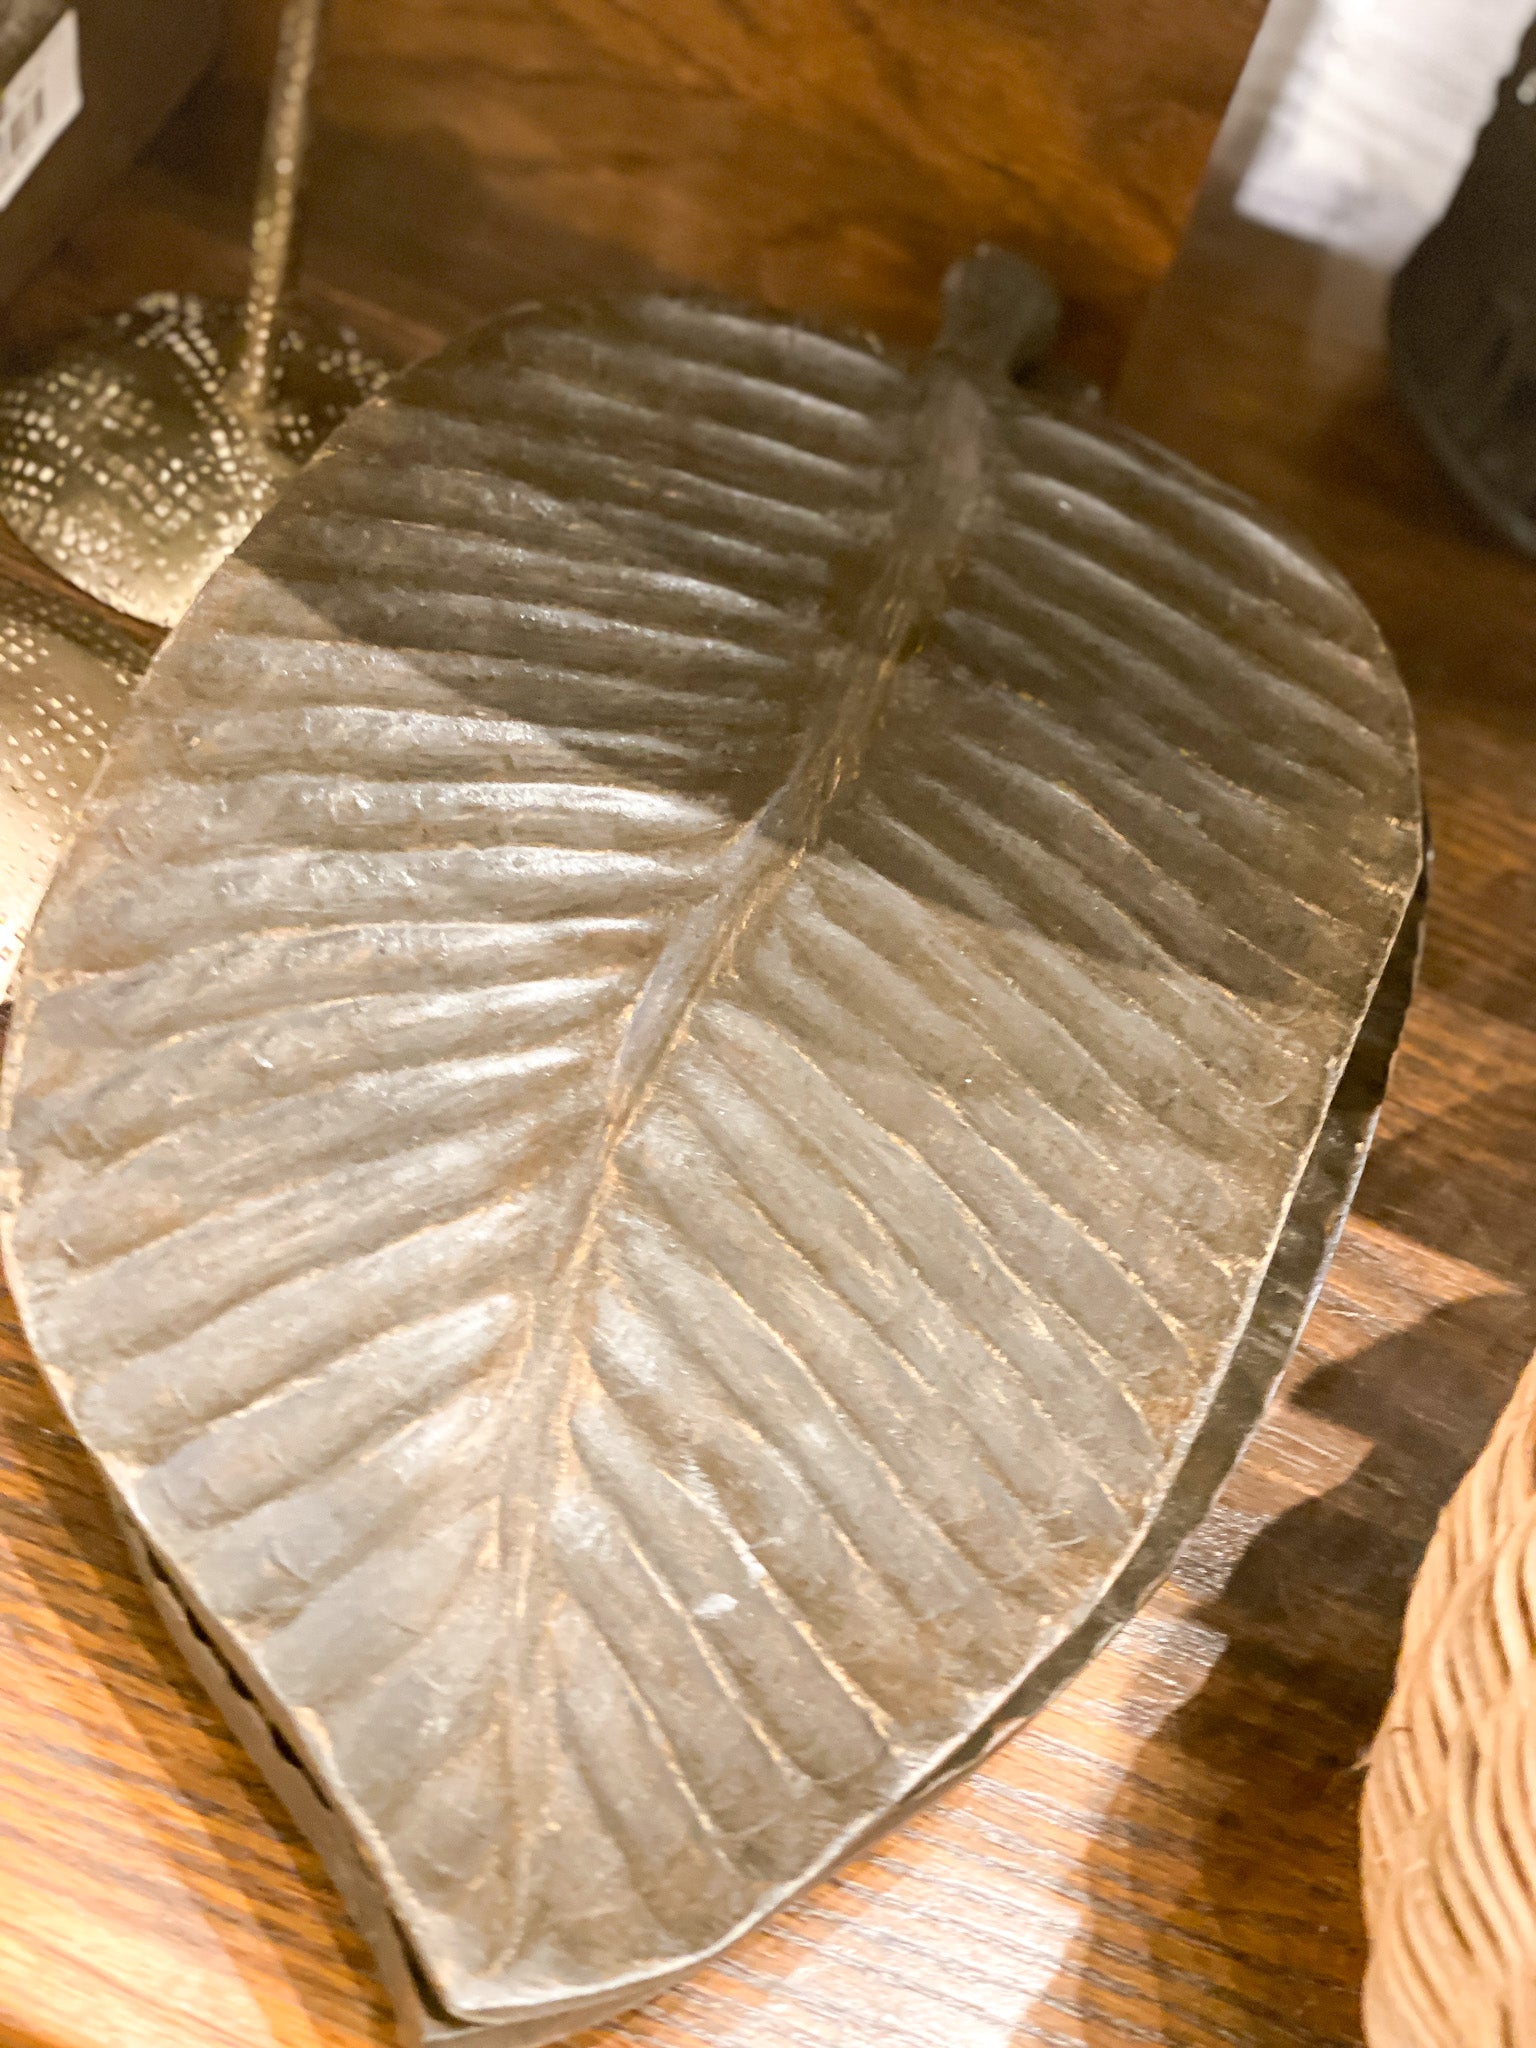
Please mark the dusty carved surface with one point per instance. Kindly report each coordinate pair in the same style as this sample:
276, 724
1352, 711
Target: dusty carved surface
641, 1188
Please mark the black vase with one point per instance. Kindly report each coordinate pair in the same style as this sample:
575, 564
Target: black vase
1463, 319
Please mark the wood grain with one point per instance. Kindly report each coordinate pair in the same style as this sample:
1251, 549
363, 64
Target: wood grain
818, 155
1168, 1855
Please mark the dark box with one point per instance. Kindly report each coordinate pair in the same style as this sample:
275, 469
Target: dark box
134, 60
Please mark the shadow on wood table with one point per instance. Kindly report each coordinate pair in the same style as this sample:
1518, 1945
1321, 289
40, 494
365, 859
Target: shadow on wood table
1247, 1794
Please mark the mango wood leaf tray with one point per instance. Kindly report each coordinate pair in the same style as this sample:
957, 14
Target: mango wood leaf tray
689, 1081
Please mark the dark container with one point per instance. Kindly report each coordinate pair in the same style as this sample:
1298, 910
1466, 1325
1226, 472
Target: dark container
137, 58
1463, 319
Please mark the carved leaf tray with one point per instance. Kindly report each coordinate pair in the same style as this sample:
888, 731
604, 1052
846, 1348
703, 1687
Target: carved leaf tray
683, 1095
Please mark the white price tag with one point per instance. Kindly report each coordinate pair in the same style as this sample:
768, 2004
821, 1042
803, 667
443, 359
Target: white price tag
1376, 119
39, 103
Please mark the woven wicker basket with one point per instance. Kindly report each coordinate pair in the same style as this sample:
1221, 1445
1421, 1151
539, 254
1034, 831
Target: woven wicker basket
1449, 1820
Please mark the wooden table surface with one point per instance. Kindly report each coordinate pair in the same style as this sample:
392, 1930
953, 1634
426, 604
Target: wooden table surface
1167, 1856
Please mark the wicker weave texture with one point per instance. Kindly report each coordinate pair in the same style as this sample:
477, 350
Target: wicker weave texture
1449, 1818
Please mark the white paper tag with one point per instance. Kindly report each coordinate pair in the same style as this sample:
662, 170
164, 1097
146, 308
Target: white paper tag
41, 100
1377, 118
